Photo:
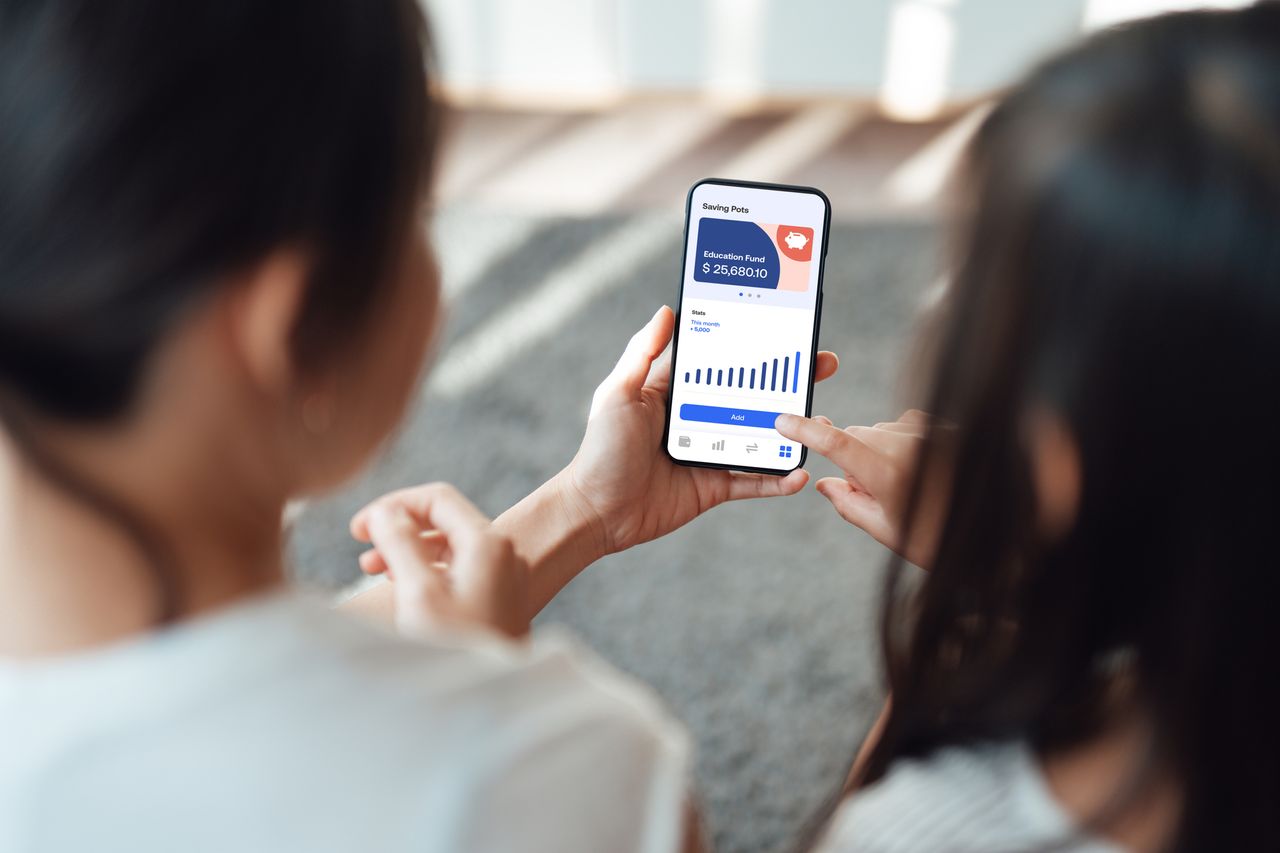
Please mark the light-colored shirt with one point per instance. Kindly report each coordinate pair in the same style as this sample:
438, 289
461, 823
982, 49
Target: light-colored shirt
982, 799
278, 725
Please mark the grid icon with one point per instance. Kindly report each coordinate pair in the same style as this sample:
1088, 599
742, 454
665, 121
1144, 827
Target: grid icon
784, 451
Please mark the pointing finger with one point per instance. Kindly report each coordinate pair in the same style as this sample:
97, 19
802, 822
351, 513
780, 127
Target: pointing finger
857, 459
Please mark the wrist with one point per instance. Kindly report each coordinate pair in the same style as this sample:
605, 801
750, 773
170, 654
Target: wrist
580, 514
555, 531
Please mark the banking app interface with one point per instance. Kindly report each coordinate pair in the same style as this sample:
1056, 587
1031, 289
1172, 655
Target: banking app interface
747, 318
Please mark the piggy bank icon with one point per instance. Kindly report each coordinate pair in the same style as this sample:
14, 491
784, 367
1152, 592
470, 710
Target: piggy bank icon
795, 242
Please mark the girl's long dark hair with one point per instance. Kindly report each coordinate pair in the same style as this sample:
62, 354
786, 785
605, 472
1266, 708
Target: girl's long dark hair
149, 149
1120, 269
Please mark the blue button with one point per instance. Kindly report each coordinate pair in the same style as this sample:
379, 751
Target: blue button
734, 417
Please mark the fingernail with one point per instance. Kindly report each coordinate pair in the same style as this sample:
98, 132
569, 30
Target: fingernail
785, 422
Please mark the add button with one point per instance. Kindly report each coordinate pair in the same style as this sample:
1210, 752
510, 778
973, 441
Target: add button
733, 417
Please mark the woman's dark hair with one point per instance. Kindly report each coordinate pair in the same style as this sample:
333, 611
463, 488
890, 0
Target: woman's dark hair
148, 149
1120, 268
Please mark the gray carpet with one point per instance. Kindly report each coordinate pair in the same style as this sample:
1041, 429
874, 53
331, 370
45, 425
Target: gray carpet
756, 623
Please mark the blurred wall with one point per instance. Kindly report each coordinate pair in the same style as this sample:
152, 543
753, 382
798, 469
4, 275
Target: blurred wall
914, 56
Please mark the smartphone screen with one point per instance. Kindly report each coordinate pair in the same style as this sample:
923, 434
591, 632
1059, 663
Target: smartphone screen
747, 327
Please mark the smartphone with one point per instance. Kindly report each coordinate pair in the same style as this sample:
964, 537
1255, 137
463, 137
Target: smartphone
747, 327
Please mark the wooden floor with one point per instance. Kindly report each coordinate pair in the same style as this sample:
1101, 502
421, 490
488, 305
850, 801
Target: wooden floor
645, 155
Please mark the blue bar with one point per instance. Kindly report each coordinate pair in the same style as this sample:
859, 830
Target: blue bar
753, 378
773, 380
786, 371
686, 376
699, 374
734, 417
719, 377
795, 379
740, 372
764, 373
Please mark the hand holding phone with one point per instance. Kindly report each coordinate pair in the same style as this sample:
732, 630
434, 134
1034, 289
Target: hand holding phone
623, 479
746, 337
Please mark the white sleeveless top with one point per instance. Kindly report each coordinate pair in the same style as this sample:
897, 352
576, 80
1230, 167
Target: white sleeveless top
982, 799
279, 726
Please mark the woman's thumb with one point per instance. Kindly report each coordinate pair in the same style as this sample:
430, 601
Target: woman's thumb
632, 369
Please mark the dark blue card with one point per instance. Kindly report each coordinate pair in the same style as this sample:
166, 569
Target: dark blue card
737, 253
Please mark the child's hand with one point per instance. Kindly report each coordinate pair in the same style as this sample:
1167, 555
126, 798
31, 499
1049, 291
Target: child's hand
878, 462
450, 567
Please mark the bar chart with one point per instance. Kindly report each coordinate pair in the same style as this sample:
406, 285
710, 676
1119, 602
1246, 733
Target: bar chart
776, 375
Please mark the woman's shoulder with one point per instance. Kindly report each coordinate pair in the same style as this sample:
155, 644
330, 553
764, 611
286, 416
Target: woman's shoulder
985, 797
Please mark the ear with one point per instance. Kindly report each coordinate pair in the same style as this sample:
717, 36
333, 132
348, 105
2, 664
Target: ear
1056, 472
262, 311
